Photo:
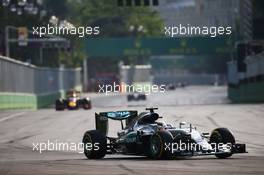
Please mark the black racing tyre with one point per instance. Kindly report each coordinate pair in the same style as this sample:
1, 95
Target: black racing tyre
222, 135
86, 104
158, 146
95, 144
142, 97
130, 97
59, 105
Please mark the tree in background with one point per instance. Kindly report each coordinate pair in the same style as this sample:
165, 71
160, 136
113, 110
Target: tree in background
113, 21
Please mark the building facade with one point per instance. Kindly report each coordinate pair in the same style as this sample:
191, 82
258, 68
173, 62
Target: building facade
234, 13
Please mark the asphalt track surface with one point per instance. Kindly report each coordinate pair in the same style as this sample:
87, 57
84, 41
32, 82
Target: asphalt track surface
205, 107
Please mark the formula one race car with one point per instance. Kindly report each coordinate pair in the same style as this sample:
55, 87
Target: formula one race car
171, 87
136, 97
144, 135
73, 101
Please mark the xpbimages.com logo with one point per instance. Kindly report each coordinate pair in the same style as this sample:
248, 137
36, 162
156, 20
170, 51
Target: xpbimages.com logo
194, 147
139, 88
63, 146
188, 30
60, 30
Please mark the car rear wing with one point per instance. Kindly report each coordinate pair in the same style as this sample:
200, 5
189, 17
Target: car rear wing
101, 119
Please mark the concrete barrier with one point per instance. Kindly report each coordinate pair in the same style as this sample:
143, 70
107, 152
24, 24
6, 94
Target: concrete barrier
27, 101
247, 93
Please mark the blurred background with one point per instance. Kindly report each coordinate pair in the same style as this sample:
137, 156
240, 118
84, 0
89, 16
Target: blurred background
130, 49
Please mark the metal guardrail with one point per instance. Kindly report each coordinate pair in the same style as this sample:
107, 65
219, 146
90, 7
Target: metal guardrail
20, 77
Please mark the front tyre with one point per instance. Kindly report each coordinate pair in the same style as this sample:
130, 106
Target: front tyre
159, 143
222, 136
87, 104
142, 97
59, 105
95, 144
130, 97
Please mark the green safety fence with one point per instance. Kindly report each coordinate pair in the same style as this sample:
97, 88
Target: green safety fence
247, 93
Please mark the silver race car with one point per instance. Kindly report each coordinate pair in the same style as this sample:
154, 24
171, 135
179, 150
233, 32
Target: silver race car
145, 135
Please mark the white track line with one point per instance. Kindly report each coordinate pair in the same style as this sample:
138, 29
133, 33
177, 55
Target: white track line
12, 116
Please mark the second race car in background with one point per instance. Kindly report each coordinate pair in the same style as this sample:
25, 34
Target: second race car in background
136, 97
73, 101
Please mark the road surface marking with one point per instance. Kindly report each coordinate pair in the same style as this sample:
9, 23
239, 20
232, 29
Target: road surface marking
12, 116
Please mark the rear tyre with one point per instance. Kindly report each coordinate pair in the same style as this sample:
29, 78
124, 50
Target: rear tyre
95, 144
59, 105
130, 97
158, 145
86, 104
222, 135
143, 97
